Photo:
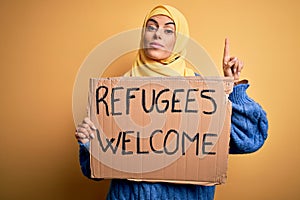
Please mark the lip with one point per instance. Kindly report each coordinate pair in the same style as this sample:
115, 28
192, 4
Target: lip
155, 45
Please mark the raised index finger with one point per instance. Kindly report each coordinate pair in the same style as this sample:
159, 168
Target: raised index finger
226, 55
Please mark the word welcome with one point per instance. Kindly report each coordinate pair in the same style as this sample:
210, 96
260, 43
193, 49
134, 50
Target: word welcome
182, 140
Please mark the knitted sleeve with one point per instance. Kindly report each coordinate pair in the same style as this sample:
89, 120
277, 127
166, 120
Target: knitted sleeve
249, 124
84, 159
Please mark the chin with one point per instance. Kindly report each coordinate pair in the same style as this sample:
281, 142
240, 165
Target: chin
156, 54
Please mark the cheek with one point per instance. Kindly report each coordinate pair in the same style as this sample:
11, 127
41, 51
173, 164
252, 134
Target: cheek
170, 43
147, 39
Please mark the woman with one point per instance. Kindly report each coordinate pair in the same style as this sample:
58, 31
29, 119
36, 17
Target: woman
161, 54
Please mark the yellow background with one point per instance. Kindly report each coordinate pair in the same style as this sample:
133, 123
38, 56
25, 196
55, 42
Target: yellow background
43, 43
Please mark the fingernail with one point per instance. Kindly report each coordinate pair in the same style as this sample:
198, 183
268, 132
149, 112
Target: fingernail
94, 127
239, 73
92, 135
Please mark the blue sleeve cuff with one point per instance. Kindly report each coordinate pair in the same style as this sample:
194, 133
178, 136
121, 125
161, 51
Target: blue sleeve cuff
85, 145
239, 95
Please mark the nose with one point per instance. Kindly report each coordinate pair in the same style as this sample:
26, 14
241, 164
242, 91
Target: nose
158, 33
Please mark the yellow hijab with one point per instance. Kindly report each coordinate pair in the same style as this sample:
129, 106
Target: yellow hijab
174, 65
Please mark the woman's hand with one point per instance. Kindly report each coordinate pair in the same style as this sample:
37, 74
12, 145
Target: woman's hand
232, 66
85, 131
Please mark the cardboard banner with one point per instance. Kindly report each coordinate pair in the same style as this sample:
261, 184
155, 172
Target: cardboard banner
172, 129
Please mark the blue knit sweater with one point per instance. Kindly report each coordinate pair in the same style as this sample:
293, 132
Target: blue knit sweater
249, 127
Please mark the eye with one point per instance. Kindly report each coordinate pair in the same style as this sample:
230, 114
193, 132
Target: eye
151, 28
168, 31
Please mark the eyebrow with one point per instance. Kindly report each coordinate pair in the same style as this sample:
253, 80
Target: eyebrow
154, 21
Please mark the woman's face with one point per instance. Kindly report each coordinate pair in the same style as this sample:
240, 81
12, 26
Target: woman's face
159, 37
